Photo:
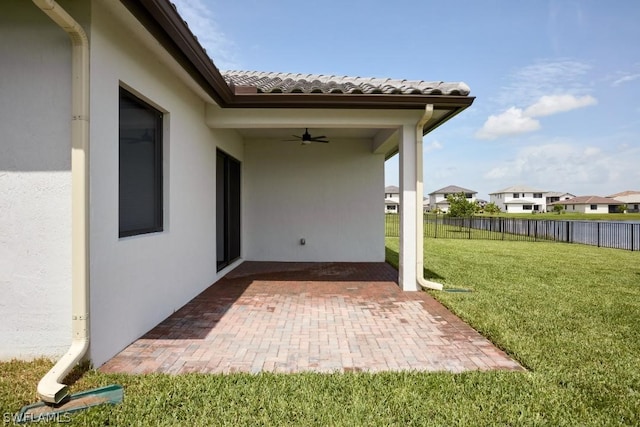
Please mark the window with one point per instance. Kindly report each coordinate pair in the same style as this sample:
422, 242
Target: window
526, 207
537, 195
594, 207
516, 195
140, 166
392, 207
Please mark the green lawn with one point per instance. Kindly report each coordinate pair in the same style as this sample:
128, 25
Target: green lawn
569, 313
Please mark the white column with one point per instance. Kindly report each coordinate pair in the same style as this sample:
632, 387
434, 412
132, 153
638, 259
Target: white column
408, 209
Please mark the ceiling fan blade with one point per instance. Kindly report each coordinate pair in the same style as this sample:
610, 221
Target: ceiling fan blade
324, 141
318, 137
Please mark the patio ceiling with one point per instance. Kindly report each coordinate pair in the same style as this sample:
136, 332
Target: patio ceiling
331, 133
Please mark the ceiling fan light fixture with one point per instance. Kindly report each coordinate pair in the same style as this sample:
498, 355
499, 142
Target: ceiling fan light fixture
306, 138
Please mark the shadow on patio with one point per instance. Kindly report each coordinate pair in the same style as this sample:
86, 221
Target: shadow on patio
324, 317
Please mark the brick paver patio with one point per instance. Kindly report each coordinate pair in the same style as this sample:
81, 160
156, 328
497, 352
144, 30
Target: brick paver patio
323, 317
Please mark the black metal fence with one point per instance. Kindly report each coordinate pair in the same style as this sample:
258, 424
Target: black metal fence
607, 234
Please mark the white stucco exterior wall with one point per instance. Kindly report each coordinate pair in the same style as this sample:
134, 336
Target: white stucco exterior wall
35, 182
586, 208
328, 194
138, 281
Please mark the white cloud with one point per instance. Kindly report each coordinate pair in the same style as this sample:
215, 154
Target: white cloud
625, 79
515, 121
511, 122
553, 104
526, 96
569, 166
203, 25
528, 84
434, 145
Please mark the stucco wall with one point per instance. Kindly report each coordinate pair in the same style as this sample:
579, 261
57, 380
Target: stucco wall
138, 281
328, 194
35, 183
586, 209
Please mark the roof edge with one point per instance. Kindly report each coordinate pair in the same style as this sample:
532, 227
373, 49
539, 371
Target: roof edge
164, 22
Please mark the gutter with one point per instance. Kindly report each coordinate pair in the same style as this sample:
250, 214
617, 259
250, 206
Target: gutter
424, 283
50, 387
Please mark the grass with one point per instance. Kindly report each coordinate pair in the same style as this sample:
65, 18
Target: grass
570, 313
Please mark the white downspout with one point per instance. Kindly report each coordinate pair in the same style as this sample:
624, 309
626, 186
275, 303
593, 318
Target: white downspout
50, 388
428, 113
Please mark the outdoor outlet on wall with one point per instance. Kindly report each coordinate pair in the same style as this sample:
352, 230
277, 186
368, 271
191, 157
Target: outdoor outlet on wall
302, 241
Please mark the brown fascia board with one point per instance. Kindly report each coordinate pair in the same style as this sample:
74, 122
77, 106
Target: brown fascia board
341, 100
162, 20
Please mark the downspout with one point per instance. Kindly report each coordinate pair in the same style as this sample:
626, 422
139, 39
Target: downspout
428, 113
50, 387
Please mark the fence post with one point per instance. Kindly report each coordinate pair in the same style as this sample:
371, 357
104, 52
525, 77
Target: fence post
435, 228
502, 226
598, 231
535, 231
632, 227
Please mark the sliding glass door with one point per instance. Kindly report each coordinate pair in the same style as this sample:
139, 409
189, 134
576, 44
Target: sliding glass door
227, 209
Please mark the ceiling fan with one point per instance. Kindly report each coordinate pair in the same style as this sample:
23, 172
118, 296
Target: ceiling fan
306, 138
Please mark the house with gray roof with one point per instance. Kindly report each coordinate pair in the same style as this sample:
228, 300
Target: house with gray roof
519, 199
438, 198
391, 199
556, 196
121, 135
630, 197
590, 205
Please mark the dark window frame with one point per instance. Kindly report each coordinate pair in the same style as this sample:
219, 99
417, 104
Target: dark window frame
228, 209
157, 224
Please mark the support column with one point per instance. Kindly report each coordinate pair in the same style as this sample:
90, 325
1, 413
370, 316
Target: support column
408, 209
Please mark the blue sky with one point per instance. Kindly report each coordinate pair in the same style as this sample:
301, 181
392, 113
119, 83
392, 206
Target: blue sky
557, 83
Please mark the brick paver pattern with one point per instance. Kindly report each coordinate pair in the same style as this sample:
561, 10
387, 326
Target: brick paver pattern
321, 317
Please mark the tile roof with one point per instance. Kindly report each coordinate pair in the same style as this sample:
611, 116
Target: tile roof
518, 189
267, 82
520, 201
624, 193
450, 189
587, 200
391, 189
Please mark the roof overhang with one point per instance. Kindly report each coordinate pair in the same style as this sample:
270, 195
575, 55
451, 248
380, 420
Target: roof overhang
164, 23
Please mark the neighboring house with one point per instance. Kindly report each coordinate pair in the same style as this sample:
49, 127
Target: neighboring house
590, 205
556, 196
426, 207
438, 198
630, 198
519, 199
138, 176
391, 199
